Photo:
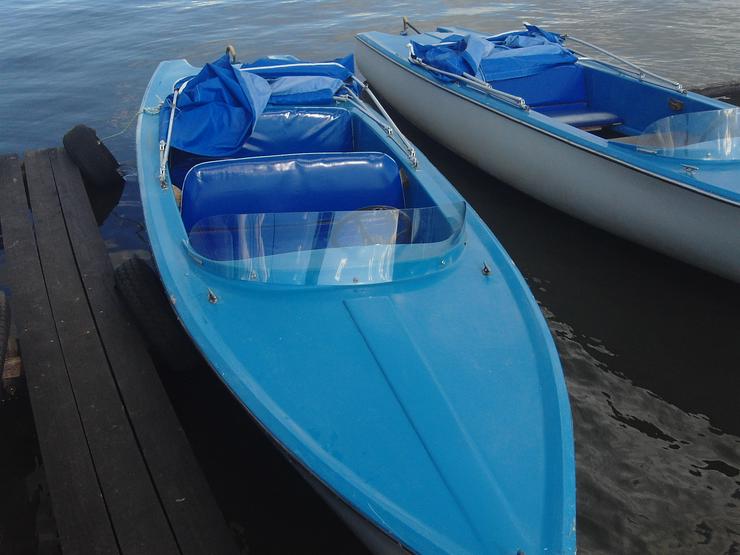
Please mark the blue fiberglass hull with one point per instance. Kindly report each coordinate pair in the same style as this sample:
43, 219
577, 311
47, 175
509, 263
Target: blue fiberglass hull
434, 407
682, 202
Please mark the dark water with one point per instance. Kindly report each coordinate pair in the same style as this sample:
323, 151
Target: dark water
650, 347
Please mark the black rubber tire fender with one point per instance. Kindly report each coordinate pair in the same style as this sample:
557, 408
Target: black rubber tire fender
99, 169
141, 289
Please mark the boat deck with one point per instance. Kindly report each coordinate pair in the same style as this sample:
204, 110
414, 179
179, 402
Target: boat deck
121, 472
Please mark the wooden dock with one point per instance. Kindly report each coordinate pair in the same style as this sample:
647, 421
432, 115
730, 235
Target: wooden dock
121, 473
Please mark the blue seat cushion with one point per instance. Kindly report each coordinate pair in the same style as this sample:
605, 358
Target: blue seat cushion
580, 115
309, 182
563, 84
282, 132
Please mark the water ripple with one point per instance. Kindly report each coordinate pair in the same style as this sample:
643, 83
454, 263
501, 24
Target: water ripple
653, 483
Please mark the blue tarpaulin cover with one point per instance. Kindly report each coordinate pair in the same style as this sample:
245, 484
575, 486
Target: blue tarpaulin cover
296, 81
216, 110
506, 56
457, 54
218, 107
304, 90
282, 66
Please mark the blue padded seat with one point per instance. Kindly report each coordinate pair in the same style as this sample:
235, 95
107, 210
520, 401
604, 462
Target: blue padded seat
580, 115
282, 132
310, 182
557, 85
560, 93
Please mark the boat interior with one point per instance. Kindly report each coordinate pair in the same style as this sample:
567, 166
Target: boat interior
299, 162
597, 100
608, 100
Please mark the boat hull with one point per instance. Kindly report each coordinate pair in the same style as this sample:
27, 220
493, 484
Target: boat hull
427, 418
627, 201
377, 541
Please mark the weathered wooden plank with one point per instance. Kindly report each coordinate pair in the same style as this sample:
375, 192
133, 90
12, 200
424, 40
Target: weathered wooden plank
194, 516
138, 518
81, 516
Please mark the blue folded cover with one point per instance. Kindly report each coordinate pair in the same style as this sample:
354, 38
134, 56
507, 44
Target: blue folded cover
216, 110
506, 56
452, 55
296, 81
297, 90
218, 107
523, 61
282, 66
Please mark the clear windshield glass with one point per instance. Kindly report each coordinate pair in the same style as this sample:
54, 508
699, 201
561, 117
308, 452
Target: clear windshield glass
373, 245
710, 135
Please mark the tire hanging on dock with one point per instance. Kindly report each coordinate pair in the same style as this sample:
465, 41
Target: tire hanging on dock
99, 169
141, 289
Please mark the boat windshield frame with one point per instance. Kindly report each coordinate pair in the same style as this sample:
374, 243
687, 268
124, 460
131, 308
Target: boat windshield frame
708, 135
330, 248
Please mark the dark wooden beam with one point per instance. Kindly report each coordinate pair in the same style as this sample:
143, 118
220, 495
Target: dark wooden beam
81, 514
192, 511
138, 520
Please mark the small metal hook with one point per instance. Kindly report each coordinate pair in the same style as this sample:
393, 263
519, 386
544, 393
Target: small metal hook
231, 51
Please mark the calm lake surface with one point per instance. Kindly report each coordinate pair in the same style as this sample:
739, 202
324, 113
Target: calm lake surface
650, 347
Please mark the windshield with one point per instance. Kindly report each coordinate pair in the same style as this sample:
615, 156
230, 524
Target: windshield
710, 135
373, 245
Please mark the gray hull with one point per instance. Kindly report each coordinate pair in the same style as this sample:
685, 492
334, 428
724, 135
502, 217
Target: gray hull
692, 227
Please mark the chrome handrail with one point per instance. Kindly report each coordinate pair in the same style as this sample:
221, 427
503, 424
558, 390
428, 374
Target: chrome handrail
473, 82
354, 99
641, 72
164, 147
391, 128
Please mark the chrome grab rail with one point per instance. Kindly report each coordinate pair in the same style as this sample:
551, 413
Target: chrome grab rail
387, 122
164, 146
472, 81
641, 73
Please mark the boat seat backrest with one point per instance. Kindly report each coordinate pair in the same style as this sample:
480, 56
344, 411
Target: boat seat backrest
580, 115
300, 130
310, 182
281, 132
560, 93
563, 84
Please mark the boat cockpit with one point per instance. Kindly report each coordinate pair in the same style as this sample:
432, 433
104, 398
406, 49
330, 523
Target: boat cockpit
315, 195
602, 101
532, 69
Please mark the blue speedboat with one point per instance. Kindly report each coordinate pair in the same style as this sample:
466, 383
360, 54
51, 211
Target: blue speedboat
357, 307
610, 143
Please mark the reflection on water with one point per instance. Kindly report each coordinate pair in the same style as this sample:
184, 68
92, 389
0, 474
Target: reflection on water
649, 346
651, 478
